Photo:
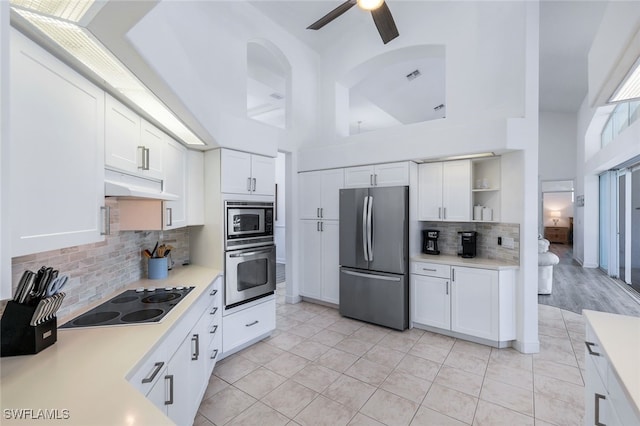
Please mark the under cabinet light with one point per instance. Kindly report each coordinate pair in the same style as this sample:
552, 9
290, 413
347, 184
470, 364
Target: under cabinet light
78, 42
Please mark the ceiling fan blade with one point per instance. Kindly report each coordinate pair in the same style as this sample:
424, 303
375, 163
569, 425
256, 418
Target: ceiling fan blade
332, 15
385, 23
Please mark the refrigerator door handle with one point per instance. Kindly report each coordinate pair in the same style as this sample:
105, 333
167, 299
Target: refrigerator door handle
370, 228
377, 277
364, 228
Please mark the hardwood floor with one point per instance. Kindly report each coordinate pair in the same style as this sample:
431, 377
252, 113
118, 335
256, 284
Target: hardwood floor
576, 288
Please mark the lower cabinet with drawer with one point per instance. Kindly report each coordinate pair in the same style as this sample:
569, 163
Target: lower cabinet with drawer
175, 375
471, 303
606, 401
247, 324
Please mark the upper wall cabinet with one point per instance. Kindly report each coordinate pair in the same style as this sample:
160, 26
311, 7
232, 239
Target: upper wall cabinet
248, 174
132, 144
175, 166
320, 194
57, 153
195, 187
444, 191
486, 181
389, 174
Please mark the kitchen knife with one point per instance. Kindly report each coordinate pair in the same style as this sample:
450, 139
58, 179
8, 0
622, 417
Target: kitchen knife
37, 313
27, 288
21, 285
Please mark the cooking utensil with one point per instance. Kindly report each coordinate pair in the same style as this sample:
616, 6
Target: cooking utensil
154, 249
56, 285
146, 253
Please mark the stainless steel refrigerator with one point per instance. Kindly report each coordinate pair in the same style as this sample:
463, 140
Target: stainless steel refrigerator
374, 255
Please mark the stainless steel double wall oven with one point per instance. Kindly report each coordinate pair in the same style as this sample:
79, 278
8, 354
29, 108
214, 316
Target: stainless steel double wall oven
250, 252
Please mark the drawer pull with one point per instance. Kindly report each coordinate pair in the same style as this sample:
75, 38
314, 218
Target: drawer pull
170, 378
214, 329
591, 352
252, 323
429, 270
214, 292
213, 311
156, 369
196, 351
597, 409
214, 354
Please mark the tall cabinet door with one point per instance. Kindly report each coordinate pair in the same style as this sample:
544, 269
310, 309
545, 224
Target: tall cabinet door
456, 190
311, 258
332, 182
310, 194
57, 153
330, 231
430, 191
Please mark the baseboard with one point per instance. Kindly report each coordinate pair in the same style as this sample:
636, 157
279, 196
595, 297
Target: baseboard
293, 299
527, 347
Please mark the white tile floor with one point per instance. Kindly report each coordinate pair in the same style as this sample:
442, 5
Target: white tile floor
321, 369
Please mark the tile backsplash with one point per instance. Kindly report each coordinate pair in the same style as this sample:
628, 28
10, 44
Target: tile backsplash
487, 242
96, 270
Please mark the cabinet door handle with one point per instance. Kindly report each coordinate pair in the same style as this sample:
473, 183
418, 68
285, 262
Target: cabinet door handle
318, 212
144, 157
248, 184
321, 226
444, 212
591, 352
453, 274
321, 212
597, 409
156, 369
447, 288
213, 311
170, 379
107, 220
375, 180
196, 351
214, 329
252, 323
214, 354
318, 226
439, 212
254, 185
169, 216
213, 292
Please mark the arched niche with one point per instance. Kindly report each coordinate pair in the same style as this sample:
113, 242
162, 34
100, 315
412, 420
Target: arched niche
399, 87
268, 84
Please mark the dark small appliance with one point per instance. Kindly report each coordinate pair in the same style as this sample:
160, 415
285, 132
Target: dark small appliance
468, 244
430, 241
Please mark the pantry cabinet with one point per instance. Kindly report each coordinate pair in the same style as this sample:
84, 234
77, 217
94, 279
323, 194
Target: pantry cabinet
464, 302
195, 188
244, 173
388, 174
320, 260
444, 191
320, 194
57, 154
132, 145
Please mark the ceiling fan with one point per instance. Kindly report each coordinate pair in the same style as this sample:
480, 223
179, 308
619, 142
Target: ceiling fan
379, 11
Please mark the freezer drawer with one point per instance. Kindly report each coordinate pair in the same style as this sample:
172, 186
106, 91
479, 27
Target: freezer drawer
377, 298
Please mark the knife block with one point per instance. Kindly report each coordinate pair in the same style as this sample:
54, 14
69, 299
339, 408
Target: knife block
19, 337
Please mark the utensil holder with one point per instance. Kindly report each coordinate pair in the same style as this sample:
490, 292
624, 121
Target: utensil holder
18, 337
157, 268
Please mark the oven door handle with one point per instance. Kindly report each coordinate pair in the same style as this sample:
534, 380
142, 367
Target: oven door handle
251, 253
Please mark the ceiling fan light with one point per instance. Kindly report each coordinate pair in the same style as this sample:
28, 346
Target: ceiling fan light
370, 4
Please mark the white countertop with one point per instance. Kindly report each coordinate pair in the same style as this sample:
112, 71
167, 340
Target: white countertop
475, 262
84, 371
619, 336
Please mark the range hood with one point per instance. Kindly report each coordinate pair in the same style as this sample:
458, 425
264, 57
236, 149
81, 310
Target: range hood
123, 185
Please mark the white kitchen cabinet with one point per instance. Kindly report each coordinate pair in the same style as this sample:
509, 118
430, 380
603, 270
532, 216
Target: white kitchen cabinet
244, 326
175, 212
464, 302
388, 174
431, 295
195, 188
57, 153
606, 399
483, 303
320, 242
320, 194
486, 179
444, 191
249, 174
132, 145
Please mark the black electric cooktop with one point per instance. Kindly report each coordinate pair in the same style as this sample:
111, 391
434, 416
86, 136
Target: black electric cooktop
142, 305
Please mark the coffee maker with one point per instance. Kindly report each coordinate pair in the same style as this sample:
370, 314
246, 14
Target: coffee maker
430, 241
467, 244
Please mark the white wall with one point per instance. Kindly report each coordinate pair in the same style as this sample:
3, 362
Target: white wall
557, 201
5, 249
557, 148
200, 50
